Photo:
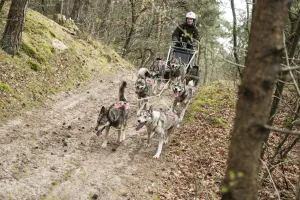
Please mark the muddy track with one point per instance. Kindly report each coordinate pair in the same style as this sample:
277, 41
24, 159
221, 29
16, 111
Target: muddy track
53, 152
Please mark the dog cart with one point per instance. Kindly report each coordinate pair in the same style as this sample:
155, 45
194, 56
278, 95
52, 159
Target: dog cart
180, 51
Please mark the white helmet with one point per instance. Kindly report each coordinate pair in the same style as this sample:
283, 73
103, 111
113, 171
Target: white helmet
191, 15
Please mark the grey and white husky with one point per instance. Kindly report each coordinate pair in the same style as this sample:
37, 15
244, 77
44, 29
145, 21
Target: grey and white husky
144, 89
177, 69
116, 116
163, 123
157, 73
182, 95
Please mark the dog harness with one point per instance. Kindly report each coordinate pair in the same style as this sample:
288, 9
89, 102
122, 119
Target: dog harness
122, 103
171, 114
149, 82
184, 96
161, 63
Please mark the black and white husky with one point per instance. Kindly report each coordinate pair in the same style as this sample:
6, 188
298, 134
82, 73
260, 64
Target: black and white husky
116, 116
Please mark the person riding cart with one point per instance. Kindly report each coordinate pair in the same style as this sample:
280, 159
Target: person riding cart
186, 32
185, 37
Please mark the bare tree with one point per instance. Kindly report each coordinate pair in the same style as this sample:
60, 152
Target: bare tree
205, 67
234, 32
1, 4
106, 16
298, 186
12, 37
76, 8
254, 99
134, 17
293, 42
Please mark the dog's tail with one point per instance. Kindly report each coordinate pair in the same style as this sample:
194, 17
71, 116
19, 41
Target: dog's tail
122, 90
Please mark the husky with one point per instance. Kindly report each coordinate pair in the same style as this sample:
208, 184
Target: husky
183, 95
157, 122
144, 89
144, 73
116, 116
157, 73
177, 70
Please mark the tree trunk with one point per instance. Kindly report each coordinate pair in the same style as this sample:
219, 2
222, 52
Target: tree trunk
1, 4
248, 17
298, 186
280, 84
105, 16
12, 37
132, 28
76, 9
254, 99
43, 5
205, 67
235, 37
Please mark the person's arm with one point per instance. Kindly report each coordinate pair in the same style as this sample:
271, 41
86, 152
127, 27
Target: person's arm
176, 33
196, 35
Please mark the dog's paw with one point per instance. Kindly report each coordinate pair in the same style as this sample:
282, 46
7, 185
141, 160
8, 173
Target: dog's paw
104, 145
156, 156
147, 145
166, 141
98, 133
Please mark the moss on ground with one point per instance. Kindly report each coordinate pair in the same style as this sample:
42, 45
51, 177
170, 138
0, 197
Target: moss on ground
211, 100
39, 70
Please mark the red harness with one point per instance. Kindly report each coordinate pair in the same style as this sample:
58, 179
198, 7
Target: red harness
122, 103
170, 114
149, 82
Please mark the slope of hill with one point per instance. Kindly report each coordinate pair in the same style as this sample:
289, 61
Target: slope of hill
40, 69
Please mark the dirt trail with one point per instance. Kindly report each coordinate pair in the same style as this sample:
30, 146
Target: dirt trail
53, 152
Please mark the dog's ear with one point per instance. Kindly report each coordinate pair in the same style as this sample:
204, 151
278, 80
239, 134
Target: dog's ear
184, 82
144, 106
172, 59
102, 111
150, 110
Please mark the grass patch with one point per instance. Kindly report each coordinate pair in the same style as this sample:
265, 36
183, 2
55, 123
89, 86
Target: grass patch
212, 98
218, 121
4, 88
52, 34
34, 66
29, 50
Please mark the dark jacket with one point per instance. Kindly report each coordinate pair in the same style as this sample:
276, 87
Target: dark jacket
185, 33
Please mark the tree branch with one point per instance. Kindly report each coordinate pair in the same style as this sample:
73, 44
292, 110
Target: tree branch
283, 131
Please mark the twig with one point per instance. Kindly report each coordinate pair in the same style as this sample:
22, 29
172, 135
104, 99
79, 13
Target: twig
281, 130
286, 68
233, 63
277, 192
287, 61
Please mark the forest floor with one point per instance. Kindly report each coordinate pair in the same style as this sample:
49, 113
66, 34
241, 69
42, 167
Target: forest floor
52, 151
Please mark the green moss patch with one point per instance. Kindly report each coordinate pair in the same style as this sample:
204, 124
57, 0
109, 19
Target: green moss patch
211, 100
4, 88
